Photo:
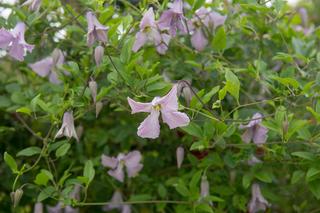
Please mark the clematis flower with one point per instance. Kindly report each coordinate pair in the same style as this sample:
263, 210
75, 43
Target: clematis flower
257, 202
202, 24
254, 130
253, 160
180, 156
67, 129
14, 41
48, 66
130, 161
167, 105
96, 31
34, 5
115, 203
149, 32
173, 19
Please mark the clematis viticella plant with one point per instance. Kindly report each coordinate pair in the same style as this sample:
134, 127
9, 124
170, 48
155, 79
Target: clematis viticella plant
163, 106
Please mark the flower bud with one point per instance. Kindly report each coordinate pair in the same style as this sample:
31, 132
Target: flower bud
180, 156
98, 54
204, 187
93, 86
16, 196
99, 106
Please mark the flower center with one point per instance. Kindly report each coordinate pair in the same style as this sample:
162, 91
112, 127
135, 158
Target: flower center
157, 107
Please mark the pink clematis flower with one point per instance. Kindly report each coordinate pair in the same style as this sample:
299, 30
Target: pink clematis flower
67, 129
14, 41
254, 130
167, 105
130, 161
173, 19
34, 5
202, 24
257, 202
49, 65
115, 203
96, 31
149, 32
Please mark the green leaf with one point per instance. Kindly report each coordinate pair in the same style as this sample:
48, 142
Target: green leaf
62, 150
314, 187
89, 171
10, 162
246, 180
24, 110
45, 193
193, 129
219, 41
296, 176
197, 4
287, 81
304, 155
33, 150
193, 185
264, 176
204, 207
312, 174
233, 84
182, 189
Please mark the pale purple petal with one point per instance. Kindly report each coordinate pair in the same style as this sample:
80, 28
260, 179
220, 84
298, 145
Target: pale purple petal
247, 135
147, 19
5, 38
118, 173
115, 200
57, 57
126, 209
177, 7
256, 119
42, 67
163, 46
169, 102
217, 19
69, 209
132, 162
16, 51
253, 160
150, 127
180, 156
96, 31
101, 35
204, 187
99, 106
67, 129
110, 162
198, 40
260, 135
138, 106
34, 5
141, 39
38, 208
165, 19
257, 202
175, 119
55, 209
53, 78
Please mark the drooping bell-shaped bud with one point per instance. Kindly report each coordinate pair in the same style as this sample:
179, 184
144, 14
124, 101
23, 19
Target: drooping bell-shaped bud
93, 86
180, 156
98, 54
99, 106
16, 197
79, 131
204, 187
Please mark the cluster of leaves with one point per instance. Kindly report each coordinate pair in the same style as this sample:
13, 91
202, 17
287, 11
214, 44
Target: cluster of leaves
256, 62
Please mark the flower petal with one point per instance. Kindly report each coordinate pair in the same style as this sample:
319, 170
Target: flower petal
260, 134
175, 119
150, 127
16, 51
5, 38
147, 19
118, 173
198, 40
141, 39
132, 162
138, 106
110, 162
169, 102
247, 135
42, 67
